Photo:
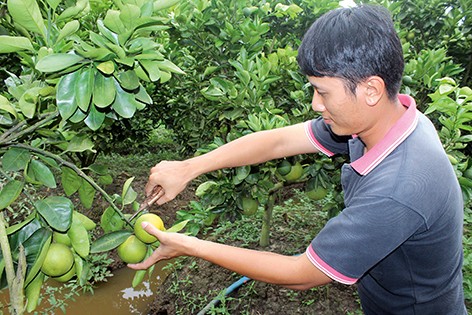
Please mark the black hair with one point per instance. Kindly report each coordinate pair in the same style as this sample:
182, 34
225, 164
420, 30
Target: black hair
353, 44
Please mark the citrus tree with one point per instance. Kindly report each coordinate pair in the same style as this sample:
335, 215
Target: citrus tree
81, 69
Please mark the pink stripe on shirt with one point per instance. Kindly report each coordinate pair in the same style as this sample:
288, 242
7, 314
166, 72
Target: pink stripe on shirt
316, 144
327, 269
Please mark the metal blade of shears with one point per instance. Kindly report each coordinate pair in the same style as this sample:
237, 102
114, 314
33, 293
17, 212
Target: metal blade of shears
157, 193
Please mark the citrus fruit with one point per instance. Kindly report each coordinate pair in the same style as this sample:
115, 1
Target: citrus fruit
152, 218
314, 190
284, 167
295, 172
468, 173
317, 193
62, 238
249, 205
67, 276
132, 250
58, 261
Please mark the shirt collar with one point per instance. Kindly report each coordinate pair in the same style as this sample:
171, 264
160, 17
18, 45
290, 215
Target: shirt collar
394, 137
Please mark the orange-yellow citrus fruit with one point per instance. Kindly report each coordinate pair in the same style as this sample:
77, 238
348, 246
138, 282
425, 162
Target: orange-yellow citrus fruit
132, 250
144, 236
59, 260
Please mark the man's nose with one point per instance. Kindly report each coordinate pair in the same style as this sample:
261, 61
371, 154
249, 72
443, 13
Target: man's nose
317, 103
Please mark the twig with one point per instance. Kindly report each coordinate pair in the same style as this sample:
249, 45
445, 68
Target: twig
78, 171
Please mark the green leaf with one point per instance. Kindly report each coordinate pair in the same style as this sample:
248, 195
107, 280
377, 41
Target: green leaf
126, 187
10, 192
103, 91
9, 44
178, 227
205, 187
70, 180
168, 65
28, 101
33, 291
57, 211
65, 95
128, 80
109, 241
80, 239
129, 197
36, 248
107, 67
84, 88
138, 277
143, 96
57, 62
112, 37
164, 4
95, 118
86, 194
15, 159
27, 14
153, 71
13, 228
80, 143
53, 3
111, 220
7, 106
70, 28
42, 173
113, 23
125, 103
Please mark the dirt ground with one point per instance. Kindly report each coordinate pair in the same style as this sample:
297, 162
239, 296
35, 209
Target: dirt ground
194, 283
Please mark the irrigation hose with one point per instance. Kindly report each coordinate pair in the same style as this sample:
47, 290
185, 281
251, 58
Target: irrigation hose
228, 291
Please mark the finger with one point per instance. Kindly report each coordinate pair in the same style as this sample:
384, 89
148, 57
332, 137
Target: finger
151, 229
148, 262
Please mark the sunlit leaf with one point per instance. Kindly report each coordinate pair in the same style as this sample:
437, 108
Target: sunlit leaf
42, 173
15, 159
27, 14
9, 44
80, 239
70, 180
65, 95
57, 62
86, 194
109, 241
111, 220
10, 192
57, 211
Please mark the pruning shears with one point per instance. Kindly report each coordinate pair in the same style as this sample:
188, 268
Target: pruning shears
157, 192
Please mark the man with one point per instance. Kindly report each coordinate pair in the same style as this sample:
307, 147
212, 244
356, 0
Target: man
399, 236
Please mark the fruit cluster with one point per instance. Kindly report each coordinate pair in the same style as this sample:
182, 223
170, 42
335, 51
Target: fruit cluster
134, 248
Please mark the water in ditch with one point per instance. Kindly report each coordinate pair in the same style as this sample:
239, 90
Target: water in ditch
114, 297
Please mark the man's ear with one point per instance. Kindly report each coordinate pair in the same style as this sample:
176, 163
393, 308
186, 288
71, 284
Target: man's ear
374, 90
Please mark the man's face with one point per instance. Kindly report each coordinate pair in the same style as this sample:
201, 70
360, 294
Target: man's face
339, 108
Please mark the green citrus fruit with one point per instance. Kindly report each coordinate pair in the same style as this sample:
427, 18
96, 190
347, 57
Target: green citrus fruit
249, 205
295, 172
58, 261
317, 193
67, 276
284, 167
132, 250
152, 218
468, 173
62, 238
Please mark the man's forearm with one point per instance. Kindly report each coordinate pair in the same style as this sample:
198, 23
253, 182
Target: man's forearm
295, 272
254, 148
